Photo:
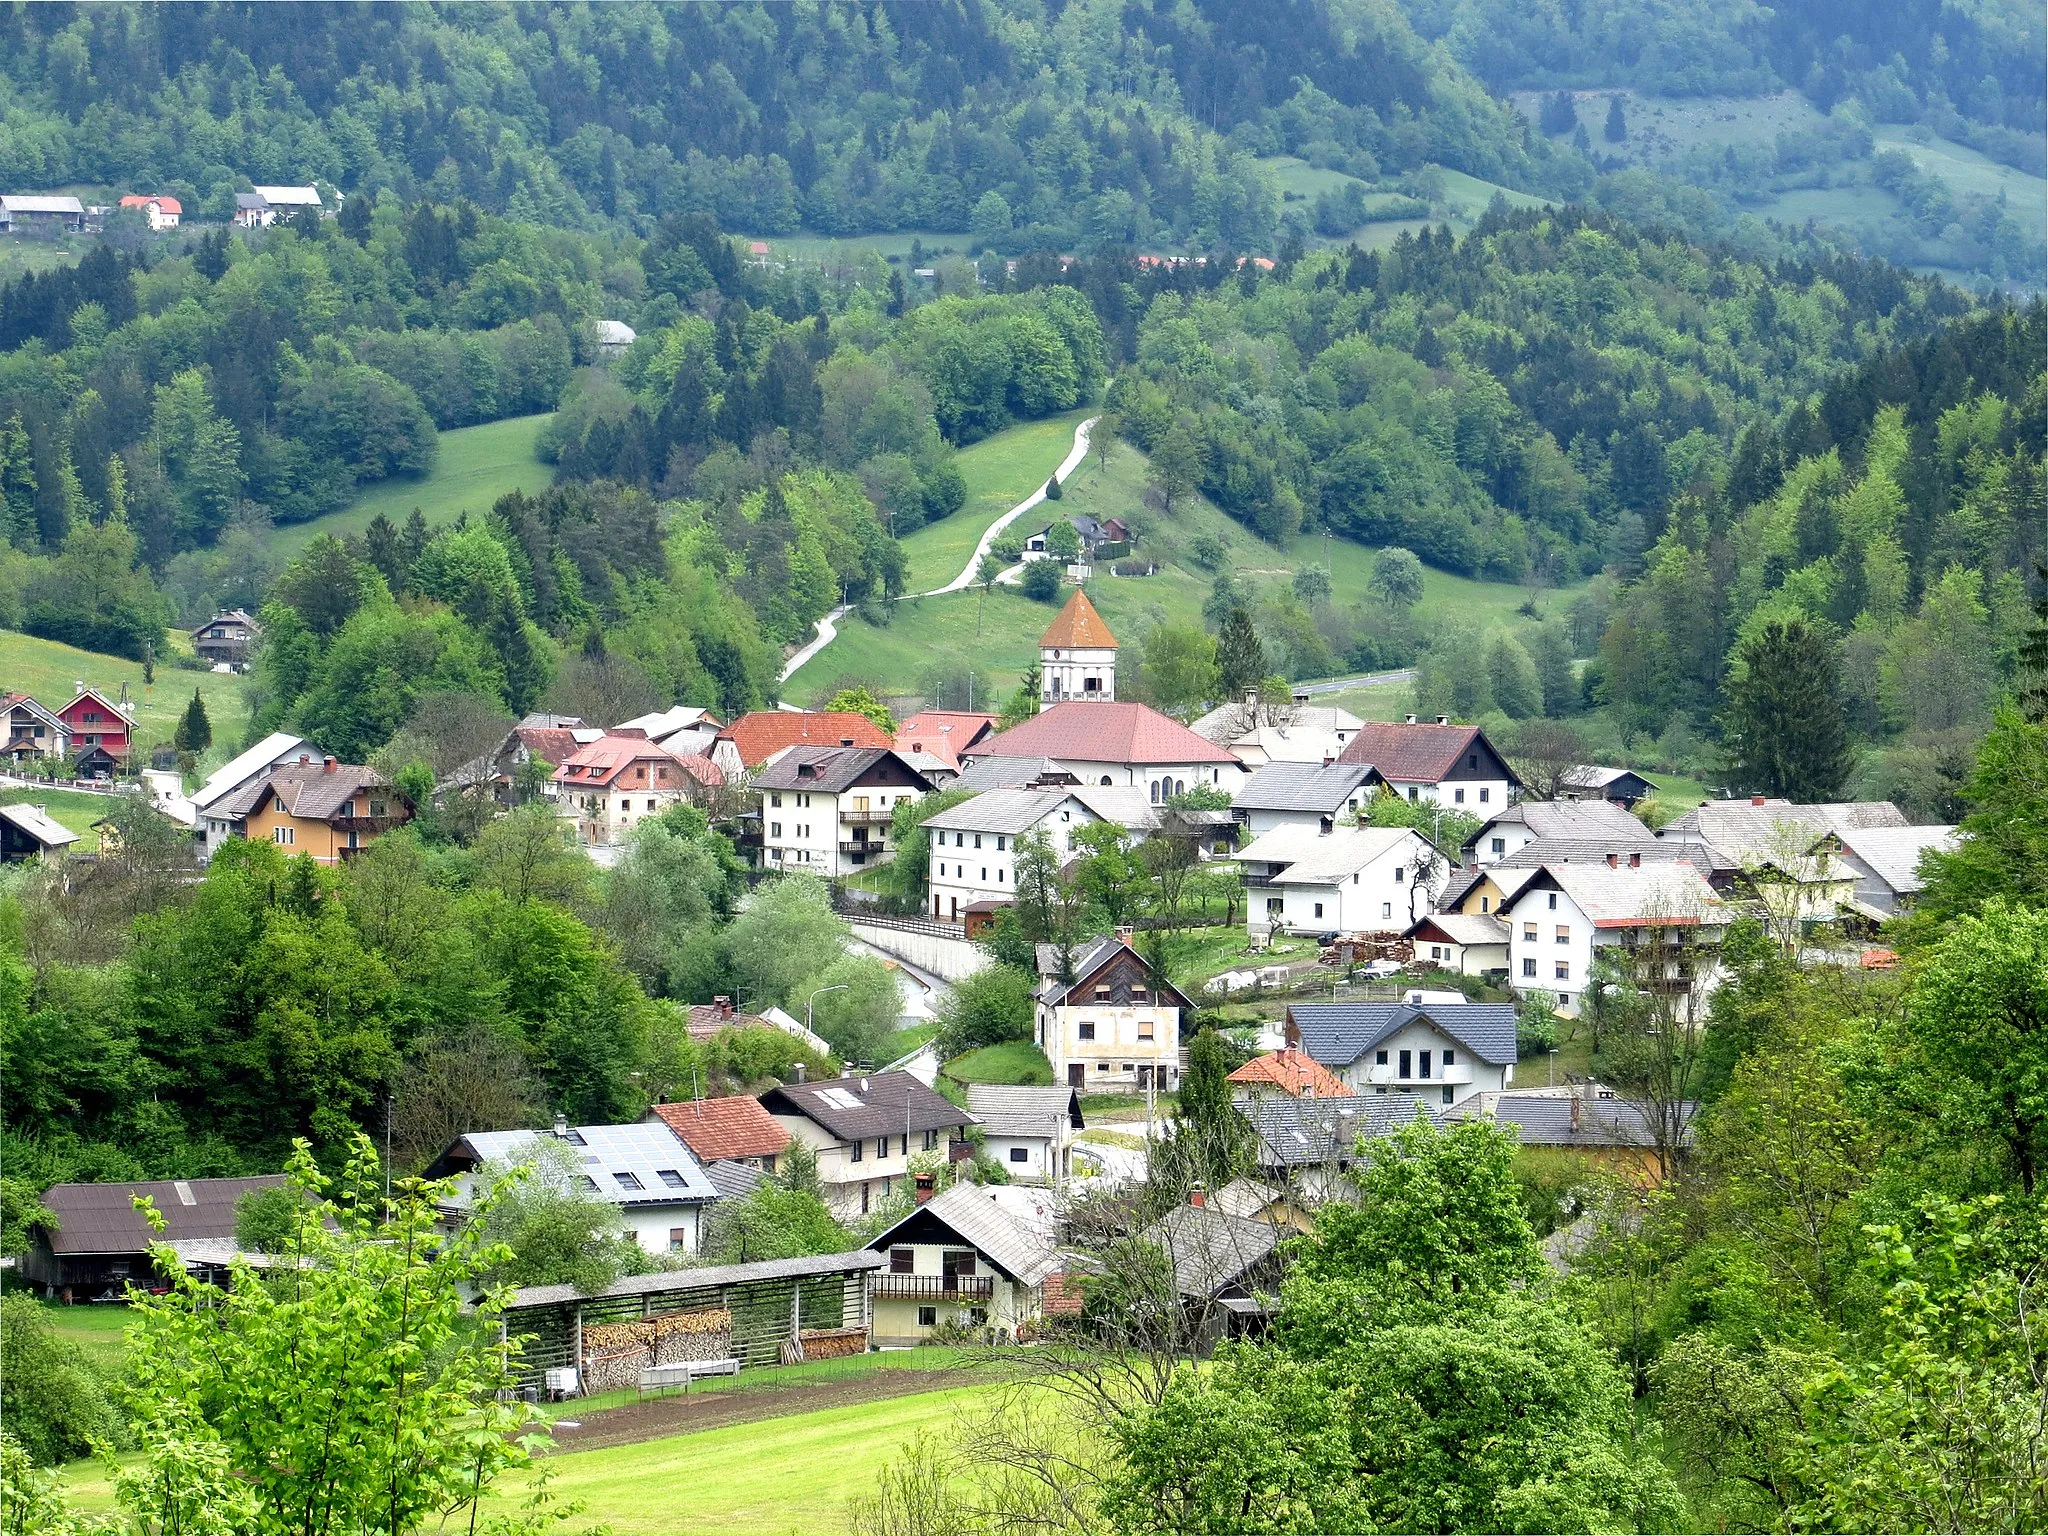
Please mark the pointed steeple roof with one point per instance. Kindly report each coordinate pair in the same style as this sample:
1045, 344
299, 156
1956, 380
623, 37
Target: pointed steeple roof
1078, 627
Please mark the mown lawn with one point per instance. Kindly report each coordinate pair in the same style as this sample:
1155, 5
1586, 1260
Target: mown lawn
476, 466
1000, 471
50, 672
1014, 1063
70, 809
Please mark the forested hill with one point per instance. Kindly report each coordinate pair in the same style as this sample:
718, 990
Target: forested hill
1037, 126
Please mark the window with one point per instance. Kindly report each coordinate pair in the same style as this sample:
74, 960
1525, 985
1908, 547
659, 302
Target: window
955, 1262
1500, 845
1564, 970
1529, 967
1407, 1061
1458, 796
902, 1261
881, 1146
1484, 796
629, 1181
977, 839
1423, 1065
1102, 994
931, 1141
855, 1151
650, 802
959, 839
1002, 843
586, 1183
1085, 1029
678, 1239
984, 874
1447, 1095
1529, 932
1319, 909
863, 1199
1400, 874
1564, 933
775, 801
906, 1143
1471, 759
1144, 1029
1379, 1058
1553, 901
1564, 999
281, 835
775, 829
1386, 909
1019, 1155
927, 1317
1411, 791
1485, 903
1275, 905
1450, 1060
671, 1178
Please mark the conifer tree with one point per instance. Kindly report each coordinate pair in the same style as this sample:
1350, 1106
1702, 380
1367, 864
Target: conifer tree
1240, 658
195, 731
1617, 123
1786, 730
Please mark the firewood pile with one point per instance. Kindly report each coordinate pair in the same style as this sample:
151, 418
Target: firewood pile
1363, 948
615, 1353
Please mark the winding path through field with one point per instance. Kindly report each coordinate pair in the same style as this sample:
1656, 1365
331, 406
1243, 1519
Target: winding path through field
828, 626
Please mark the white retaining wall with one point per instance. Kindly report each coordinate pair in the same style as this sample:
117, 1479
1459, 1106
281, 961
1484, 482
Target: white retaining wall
949, 959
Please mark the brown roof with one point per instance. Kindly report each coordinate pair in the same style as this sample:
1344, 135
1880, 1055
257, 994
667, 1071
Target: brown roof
1079, 626
1418, 753
101, 1218
314, 791
603, 760
830, 770
1293, 1072
880, 1104
943, 733
553, 745
1078, 730
760, 735
720, 1128
707, 1019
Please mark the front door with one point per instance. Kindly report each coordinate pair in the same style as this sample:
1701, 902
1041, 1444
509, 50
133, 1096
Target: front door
1077, 1074
1144, 1075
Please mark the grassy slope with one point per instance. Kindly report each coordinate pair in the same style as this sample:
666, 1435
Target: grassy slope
1000, 471
47, 670
1013, 1063
72, 810
475, 467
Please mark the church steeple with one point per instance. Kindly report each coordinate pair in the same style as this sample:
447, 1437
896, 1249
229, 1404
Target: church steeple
1077, 655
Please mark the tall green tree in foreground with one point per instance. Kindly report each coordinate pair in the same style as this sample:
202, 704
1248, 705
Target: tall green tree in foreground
1787, 733
195, 731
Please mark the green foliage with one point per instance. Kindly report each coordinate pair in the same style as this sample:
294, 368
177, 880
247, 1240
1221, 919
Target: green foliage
906, 878
782, 1218
858, 1020
1179, 667
786, 937
265, 1219
862, 701
1240, 658
1041, 581
2004, 836
56, 1405
1786, 732
548, 1231
987, 1008
195, 731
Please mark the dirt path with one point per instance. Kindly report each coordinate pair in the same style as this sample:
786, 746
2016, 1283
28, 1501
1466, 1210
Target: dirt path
656, 1417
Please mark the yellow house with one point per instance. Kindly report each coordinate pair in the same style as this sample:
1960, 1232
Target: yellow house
327, 810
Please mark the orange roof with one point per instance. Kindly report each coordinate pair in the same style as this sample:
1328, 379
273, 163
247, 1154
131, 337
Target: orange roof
717, 1128
1079, 627
603, 760
941, 733
168, 204
1291, 1071
761, 734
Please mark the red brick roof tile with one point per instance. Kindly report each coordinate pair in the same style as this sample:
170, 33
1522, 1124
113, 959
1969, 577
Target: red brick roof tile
721, 1128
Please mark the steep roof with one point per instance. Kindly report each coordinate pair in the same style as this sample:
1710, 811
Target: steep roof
1025, 1254
15, 202
733, 1181
666, 722
1078, 730
1319, 788
240, 616
1585, 776
1210, 1251
760, 734
314, 792
1011, 811
1089, 962
828, 770
1337, 1034
1893, 853
1078, 627
1745, 832
943, 733
1312, 857
1231, 722
639, 1164
12, 701
553, 745
101, 1218
1654, 895
1591, 850
33, 820
1587, 820
881, 1104
1419, 753
602, 761
164, 201
1302, 1133
730, 1127
1024, 1111
100, 699
1292, 1072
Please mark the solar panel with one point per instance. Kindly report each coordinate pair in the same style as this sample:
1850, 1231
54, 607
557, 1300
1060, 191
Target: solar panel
839, 1098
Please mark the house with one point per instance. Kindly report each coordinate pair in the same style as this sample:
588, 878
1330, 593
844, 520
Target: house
226, 638
728, 1130
1463, 943
100, 1242
22, 212
1028, 1132
264, 206
643, 1169
1288, 1071
614, 337
328, 811
32, 730
611, 785
1561, 919
1316, 795
1118, 745
1225, 1269
1886, 865
973, 845
1785, 855
685, 730
542, 740
865, 1130
1584, 1118
943, 734
27, 832
1439, 1052
1077, 655
1622, 786
1304, 1148
827, 810
92, 721
751, 740
960, 1258
1347, 880
1513, 828
161, 211
213, 818
1449, 765
1279, 731
1114, 1026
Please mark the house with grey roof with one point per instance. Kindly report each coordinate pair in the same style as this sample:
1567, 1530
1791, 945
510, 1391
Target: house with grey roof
1588, 781
1440, 1053
1516, 826
864, 1131
1105, 1022
1224, 1269
40, 210
29, 832
100, 1242
644, 1169
1315, 795
974, 844
1565, 915
1345, 880
1463, 943
1585, 1118
1280, 731
1309, 1146
1028, 1131
961, 1257
828, 810
1886, 864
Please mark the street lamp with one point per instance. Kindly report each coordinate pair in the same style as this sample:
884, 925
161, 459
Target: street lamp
815, 996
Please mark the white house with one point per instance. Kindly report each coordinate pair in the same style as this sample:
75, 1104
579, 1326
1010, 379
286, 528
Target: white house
1463, 943
645, 1170
827, 810
1786, 855
264, 206
1316, 795
1113, 1026
1448, 765
865, 1131
964, 1257
684, 730
1028, 1132
161, 212
1566, 913
1285, 731
1513, 828
1347, 880
1441, 1053
614, 783
1077, 655
974, 844
215, 803
1886, 864
1116, 745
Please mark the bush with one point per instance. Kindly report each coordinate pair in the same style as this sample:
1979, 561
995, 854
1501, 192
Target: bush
989, 1007
1535, 1023
53, 1400
1041, 581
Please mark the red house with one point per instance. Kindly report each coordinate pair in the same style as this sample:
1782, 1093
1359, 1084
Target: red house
93, 722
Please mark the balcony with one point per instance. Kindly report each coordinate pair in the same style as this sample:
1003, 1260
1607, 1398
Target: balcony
858, 845
879, 816
976, 1288
1256, 877
1390, 1075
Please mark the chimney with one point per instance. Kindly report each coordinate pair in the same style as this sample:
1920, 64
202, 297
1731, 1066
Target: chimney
562, 1126
799, 1071
1327, 825
1251, 696
1347, 1133
304, 760
327, 765
1443, 719
1578, 1113
1756, 799
1613, 861
721, 1006
1198, 1195
1635, 861
1411, 719
1125, 934
923, 1184
1327, 759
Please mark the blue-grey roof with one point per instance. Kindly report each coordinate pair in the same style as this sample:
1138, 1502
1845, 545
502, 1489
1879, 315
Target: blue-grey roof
1545, 1118
640, 1164
1337, 1034
1295, 1133
1321, 788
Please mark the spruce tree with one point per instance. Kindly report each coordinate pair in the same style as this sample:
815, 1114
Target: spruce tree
1560, 114
1240, 658
1052, 489
1785, 729
195, 731
1617, 124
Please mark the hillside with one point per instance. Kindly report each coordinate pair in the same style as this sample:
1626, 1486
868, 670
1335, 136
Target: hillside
50, 672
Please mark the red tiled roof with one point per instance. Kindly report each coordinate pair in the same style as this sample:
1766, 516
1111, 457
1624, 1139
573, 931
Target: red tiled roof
553, 745
943, 733
700, 768
1080, 731
1294, 1072
763, 733
1415, 753
168, 204
719, 1128
603, 760
1079, 626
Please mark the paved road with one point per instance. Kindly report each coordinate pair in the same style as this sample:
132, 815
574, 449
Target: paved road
1363, 680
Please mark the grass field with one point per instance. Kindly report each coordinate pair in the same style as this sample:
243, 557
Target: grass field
1000, 471
1015, 1063
96, 1330
69, 808
49, 672
476, 466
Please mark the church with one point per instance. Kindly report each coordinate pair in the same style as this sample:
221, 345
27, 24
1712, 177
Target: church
1077, 656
